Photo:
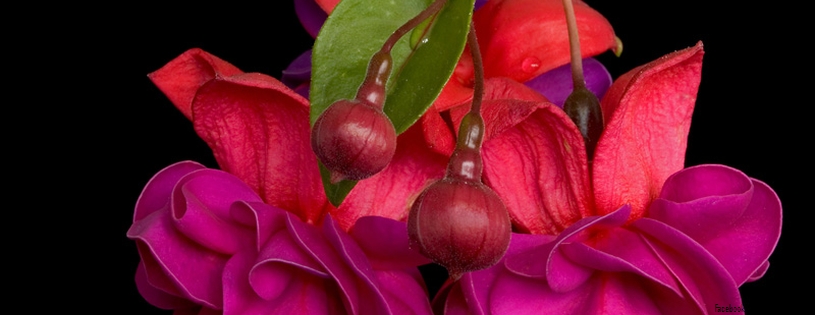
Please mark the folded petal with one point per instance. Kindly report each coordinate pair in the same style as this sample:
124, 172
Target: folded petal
391, 192
737, 219
176, 264
258, 130
521, 39
157, 297
200, 208
180, 78
156, 194
703, 278
648, 113
538, 166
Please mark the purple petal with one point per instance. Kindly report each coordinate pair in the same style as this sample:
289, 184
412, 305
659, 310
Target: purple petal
385, 243
264, 219
699, 273
311, 16
556, 84
298, 72
737, 219
479, 3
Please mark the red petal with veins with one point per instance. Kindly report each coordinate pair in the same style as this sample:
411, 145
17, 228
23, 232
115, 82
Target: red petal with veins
648, 113
538, 168
391, 192
181, 77
256, 127
521, 39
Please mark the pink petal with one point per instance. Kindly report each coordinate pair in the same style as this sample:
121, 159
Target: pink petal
537, 167
258, 130
736, 218
390, 192
386, 244
648, 113
702, 277
180, 78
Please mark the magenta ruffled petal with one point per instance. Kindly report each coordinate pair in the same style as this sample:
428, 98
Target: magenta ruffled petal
737, 219
176, 264
706, 281
200, 206
556, 84
156, 193
385, 243
561, 273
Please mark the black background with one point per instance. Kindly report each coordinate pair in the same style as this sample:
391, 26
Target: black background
116, 129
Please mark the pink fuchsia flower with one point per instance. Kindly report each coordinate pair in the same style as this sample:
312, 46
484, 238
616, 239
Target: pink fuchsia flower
257, 234
631, 232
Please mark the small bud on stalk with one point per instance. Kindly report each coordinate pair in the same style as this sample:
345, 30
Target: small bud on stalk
458, 222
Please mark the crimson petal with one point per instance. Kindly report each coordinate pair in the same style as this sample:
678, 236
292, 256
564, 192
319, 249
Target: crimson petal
648, 112
180, 78
538, 167
258, 130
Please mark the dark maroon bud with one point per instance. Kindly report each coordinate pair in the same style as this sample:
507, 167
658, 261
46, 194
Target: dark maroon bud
460, 224
583, 108
353, 139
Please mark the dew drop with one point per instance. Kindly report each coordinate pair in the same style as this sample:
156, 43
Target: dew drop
530, 64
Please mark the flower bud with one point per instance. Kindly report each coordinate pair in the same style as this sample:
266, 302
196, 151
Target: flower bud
353, 139
460, 224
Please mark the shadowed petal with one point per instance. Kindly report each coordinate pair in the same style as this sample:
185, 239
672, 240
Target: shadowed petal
385, 243
156, 297
180, 78
648, 113
258, 130
156, 194
311, 16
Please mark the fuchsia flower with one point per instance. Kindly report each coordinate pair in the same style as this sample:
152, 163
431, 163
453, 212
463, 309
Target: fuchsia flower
630, 233
256, 238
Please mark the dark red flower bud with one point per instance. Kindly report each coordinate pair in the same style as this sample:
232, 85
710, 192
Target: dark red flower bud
460, 224
353, 139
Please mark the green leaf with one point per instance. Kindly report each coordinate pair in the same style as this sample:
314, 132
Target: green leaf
355, 30
424, 74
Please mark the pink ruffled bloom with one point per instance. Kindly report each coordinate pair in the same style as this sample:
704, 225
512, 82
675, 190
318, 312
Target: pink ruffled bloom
257, 237
630, 233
